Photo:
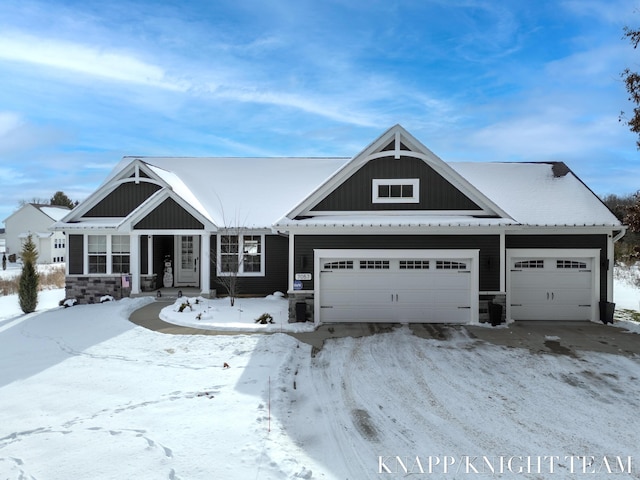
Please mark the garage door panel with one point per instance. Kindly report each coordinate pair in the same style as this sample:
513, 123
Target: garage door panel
356, 313
366, 297
550, 312
416, 290
528, 295
551, 288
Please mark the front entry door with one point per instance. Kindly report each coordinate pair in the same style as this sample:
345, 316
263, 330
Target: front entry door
188, 261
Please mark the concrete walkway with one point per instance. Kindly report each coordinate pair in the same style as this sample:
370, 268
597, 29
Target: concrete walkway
561, 338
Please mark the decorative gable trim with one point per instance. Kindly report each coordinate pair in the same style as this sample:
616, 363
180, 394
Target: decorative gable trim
136, 172
397, 143
155, 201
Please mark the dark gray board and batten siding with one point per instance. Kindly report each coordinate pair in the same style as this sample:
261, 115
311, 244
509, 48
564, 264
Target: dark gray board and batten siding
436, 193
123, 200
489, 246
276, 252
169, 216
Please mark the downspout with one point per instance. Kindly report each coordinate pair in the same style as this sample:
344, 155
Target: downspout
611, 259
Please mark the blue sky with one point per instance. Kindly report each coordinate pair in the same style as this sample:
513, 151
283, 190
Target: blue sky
83, 83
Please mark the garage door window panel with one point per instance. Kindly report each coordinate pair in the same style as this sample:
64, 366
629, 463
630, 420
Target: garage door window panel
571, 265
374, 264
414, 264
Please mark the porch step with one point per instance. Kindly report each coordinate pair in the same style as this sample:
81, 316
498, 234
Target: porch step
170, 294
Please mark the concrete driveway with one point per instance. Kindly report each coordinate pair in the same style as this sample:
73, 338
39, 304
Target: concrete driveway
562, 338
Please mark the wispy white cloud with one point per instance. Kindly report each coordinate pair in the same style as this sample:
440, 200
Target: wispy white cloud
612, 11
84, 59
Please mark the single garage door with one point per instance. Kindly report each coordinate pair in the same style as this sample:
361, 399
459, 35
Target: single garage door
406, 288
556, 288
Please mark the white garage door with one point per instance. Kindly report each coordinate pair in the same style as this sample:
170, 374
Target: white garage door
396, 289
555, 288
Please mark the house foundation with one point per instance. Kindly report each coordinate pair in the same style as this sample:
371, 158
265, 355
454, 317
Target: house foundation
92, 289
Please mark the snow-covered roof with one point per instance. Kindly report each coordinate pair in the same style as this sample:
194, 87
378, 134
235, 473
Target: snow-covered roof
56, 213
533, 194
259, 193
252, 192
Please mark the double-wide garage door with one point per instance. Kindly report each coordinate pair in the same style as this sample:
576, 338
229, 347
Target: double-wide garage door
397, 286
555, 287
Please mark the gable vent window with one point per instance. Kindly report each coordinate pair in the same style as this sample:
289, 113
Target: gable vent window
340, 265
396, 190
414, 264
530, 264
449, 265
374, 264
570, 264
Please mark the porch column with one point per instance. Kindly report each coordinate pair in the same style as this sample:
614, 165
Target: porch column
134, 262
205, 263
149, 255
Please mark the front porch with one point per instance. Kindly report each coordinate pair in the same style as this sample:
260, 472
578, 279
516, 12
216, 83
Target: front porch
170, 264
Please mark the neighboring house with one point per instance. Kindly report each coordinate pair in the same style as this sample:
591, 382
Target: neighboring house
36, 220
3, 241
392, 234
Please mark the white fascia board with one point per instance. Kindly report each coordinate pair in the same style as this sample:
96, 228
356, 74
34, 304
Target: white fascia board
395, 213
563, 230
245, 231
396, 230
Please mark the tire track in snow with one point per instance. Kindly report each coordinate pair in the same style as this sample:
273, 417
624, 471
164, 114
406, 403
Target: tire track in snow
465, 397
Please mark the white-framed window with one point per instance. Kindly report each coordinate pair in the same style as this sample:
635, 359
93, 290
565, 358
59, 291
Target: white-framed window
97, 253
395, 190
241, 254
120, 254
107, 254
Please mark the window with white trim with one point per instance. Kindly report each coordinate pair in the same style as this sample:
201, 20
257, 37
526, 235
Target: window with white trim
395, 190
97, 253
241, 254
120, 254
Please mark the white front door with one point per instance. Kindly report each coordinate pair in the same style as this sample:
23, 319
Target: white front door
188, 261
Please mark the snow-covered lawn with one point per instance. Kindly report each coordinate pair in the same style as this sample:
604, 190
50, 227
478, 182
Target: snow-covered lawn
218, 314
85, 394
